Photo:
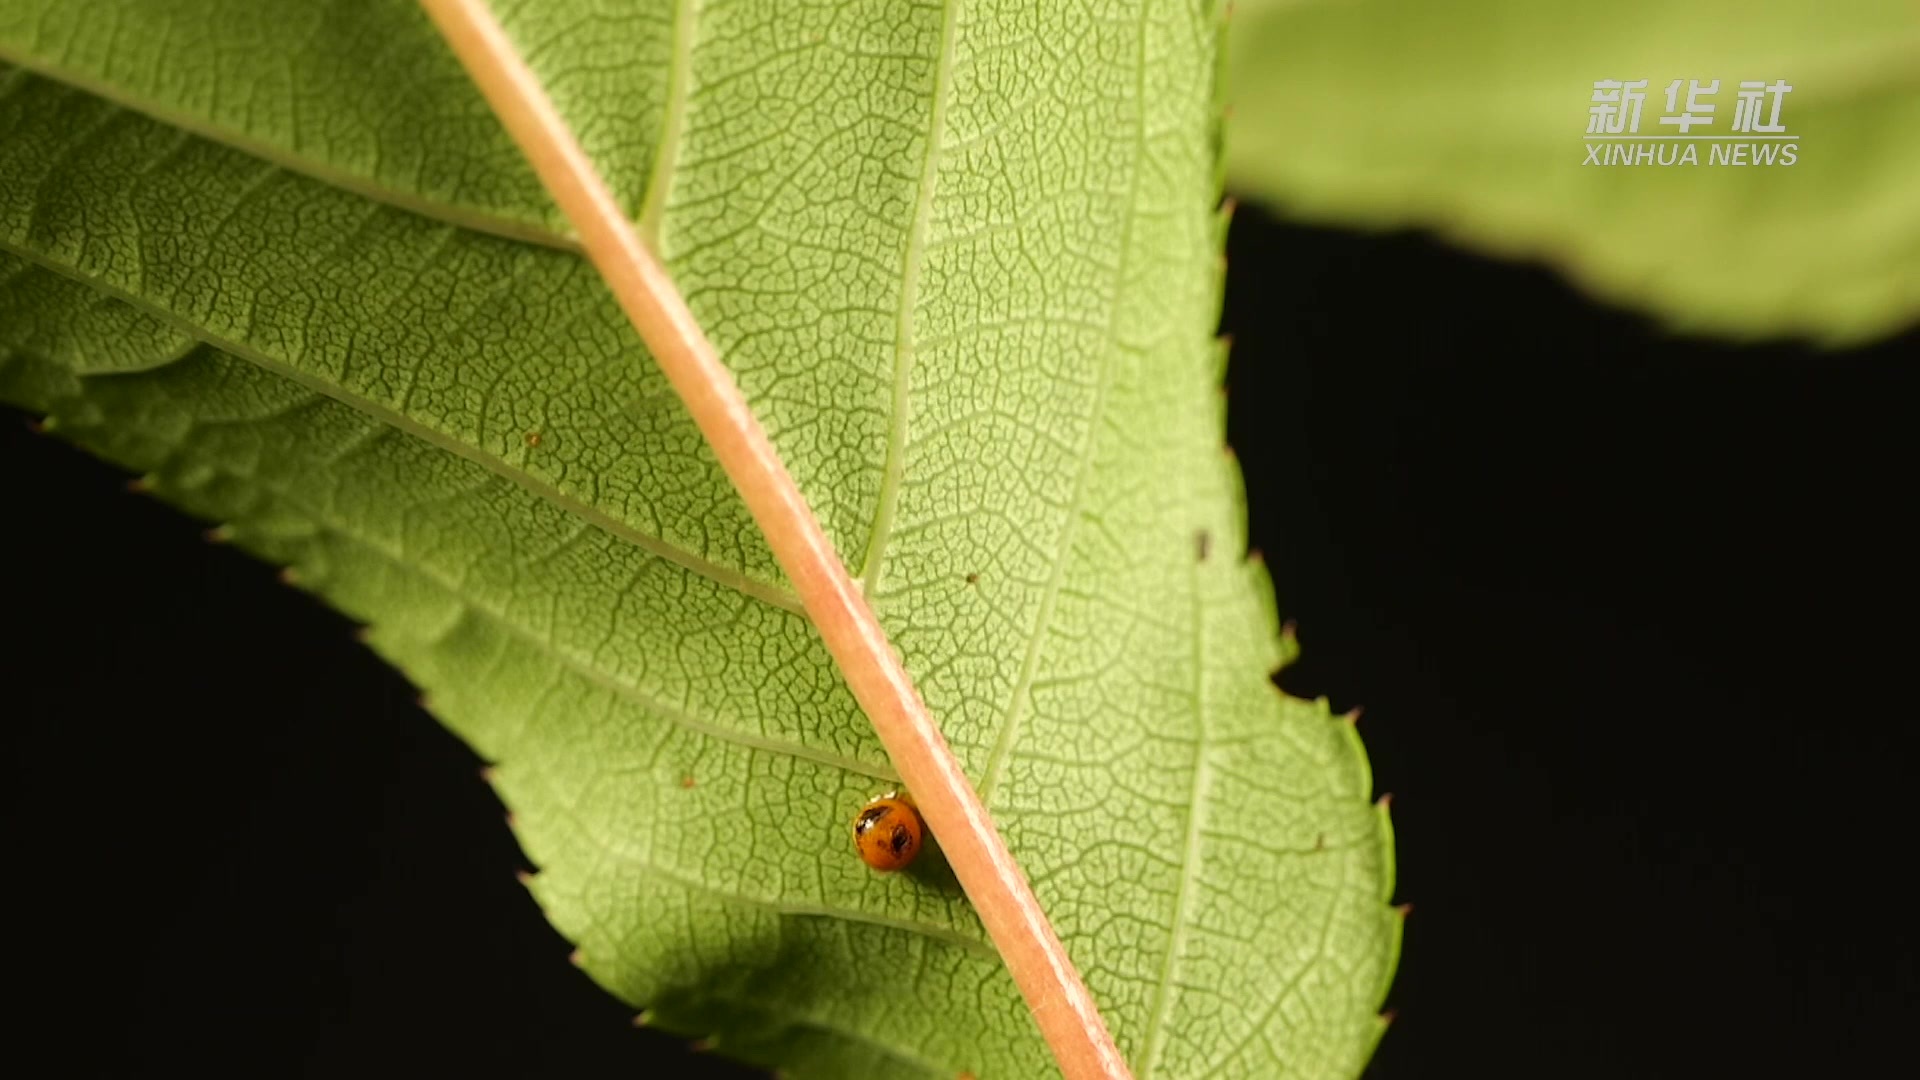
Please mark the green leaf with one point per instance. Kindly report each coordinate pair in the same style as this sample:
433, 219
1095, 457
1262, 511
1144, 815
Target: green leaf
966, 266
1469, 119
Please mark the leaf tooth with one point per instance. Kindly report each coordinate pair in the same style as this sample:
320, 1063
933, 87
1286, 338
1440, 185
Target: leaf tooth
41, 425
1352, 719
643, 1018
1389, 877
142, 484
525, 878
290, 576
1289, 651
1380, 1024
577, 958
221, 534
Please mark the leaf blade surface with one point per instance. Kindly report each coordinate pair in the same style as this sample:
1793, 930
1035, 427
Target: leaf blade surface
587, 609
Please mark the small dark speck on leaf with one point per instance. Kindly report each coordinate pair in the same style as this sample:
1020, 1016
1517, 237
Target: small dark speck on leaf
686, 781
1320, 842
533, 440
1203, 543
973, 579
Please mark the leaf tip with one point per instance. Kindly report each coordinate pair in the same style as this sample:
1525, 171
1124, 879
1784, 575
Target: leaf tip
1352, 717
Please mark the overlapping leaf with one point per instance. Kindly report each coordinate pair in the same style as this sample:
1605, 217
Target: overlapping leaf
1469, 118
964, 260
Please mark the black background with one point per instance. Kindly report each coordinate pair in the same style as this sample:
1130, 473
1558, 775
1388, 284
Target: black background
1623, 610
